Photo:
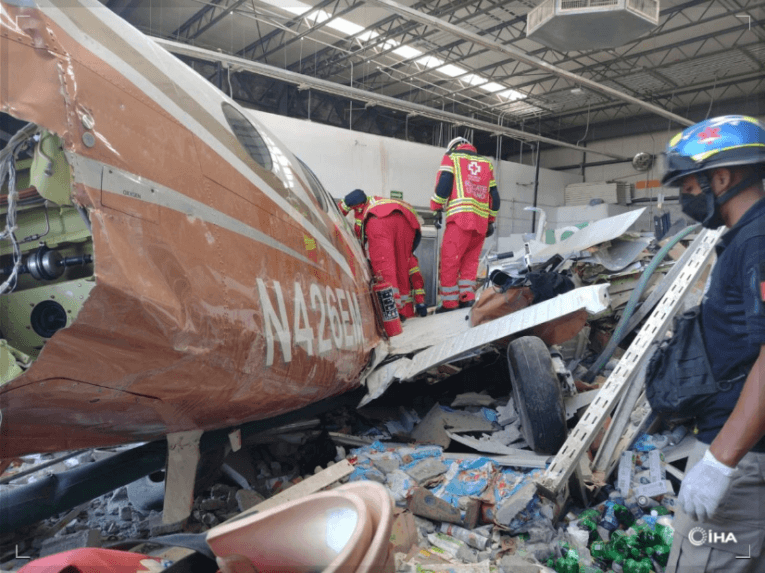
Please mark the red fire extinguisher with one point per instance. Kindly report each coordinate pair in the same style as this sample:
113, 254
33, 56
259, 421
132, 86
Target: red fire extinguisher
387, 307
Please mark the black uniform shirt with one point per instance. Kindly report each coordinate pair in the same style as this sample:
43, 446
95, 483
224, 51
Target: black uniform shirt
733, 314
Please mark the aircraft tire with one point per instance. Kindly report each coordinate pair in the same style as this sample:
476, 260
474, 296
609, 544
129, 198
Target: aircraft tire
537, 394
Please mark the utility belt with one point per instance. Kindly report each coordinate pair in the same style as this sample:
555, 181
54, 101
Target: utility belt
679, 379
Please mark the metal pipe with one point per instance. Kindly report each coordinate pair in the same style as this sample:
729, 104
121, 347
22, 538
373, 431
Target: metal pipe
536, 189
591, 163
527, 59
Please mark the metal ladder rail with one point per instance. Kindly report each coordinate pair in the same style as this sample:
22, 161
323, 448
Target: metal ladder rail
565, 462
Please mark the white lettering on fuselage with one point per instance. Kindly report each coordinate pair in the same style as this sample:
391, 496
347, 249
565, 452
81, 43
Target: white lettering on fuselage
339, 320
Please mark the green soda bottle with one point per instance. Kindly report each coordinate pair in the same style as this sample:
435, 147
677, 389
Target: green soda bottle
665, 533
592, 514
623, 515
661, 554
642, 566
599, 550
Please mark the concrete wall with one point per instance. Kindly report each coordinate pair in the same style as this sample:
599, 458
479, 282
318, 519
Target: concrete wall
345, 160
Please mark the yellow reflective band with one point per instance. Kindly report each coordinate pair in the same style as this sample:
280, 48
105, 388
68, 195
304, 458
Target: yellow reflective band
480, 212
446, 168
493, 213
414, 270
419, 291
439, 200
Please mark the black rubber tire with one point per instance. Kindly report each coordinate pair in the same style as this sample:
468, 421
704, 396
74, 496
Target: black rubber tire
537, 394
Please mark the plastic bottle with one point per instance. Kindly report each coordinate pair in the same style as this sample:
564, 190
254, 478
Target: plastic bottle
677, 435
609, 521
471, 538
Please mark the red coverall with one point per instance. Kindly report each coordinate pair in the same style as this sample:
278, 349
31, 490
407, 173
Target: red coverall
417, 284
466, 189
388, 226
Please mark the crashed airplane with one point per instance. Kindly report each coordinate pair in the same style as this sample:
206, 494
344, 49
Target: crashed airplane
166, 265
210, 280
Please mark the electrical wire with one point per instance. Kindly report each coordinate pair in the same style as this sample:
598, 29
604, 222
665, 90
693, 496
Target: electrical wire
8, 156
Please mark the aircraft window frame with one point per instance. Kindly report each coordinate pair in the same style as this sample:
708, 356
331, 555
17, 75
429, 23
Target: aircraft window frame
248, 136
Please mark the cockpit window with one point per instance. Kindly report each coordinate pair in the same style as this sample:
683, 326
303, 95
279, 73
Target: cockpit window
316, 186
248, 136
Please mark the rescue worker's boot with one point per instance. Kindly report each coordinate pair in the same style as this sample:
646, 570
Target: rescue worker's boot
466, 303
442, 309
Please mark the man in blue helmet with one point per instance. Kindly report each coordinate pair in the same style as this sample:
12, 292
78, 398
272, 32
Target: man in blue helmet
718, 165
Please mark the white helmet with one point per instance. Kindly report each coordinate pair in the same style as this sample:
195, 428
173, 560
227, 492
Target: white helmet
457, 141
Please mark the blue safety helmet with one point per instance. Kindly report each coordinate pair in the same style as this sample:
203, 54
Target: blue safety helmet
355, 198
725, 141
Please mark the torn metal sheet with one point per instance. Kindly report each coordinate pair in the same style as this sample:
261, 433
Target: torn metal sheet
592, 298
573, 403
593, 234
619, 254
427, 331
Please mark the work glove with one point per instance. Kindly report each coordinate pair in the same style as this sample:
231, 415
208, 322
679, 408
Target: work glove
704, 487
490, 230
421, 309
437, 215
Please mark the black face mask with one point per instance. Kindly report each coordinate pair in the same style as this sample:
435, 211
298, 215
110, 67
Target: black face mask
697, 207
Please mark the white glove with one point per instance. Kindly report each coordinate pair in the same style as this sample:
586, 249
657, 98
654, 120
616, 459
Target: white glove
704, 487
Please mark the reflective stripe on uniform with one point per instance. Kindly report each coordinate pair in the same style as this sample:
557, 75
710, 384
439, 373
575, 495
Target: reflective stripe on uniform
450, 297
419, 291
414, 270
439, 200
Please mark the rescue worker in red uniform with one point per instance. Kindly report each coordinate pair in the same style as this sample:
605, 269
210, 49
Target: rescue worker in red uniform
415, 300
466, 190
391, 230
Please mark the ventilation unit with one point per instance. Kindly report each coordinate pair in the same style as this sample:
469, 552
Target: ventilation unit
574, 25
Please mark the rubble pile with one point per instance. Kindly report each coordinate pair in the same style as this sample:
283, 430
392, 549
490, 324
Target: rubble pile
452, 456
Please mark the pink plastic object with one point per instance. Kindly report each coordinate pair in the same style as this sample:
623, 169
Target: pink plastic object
380, 505
325, 532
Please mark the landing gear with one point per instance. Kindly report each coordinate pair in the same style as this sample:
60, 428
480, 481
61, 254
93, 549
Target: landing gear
537, 394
